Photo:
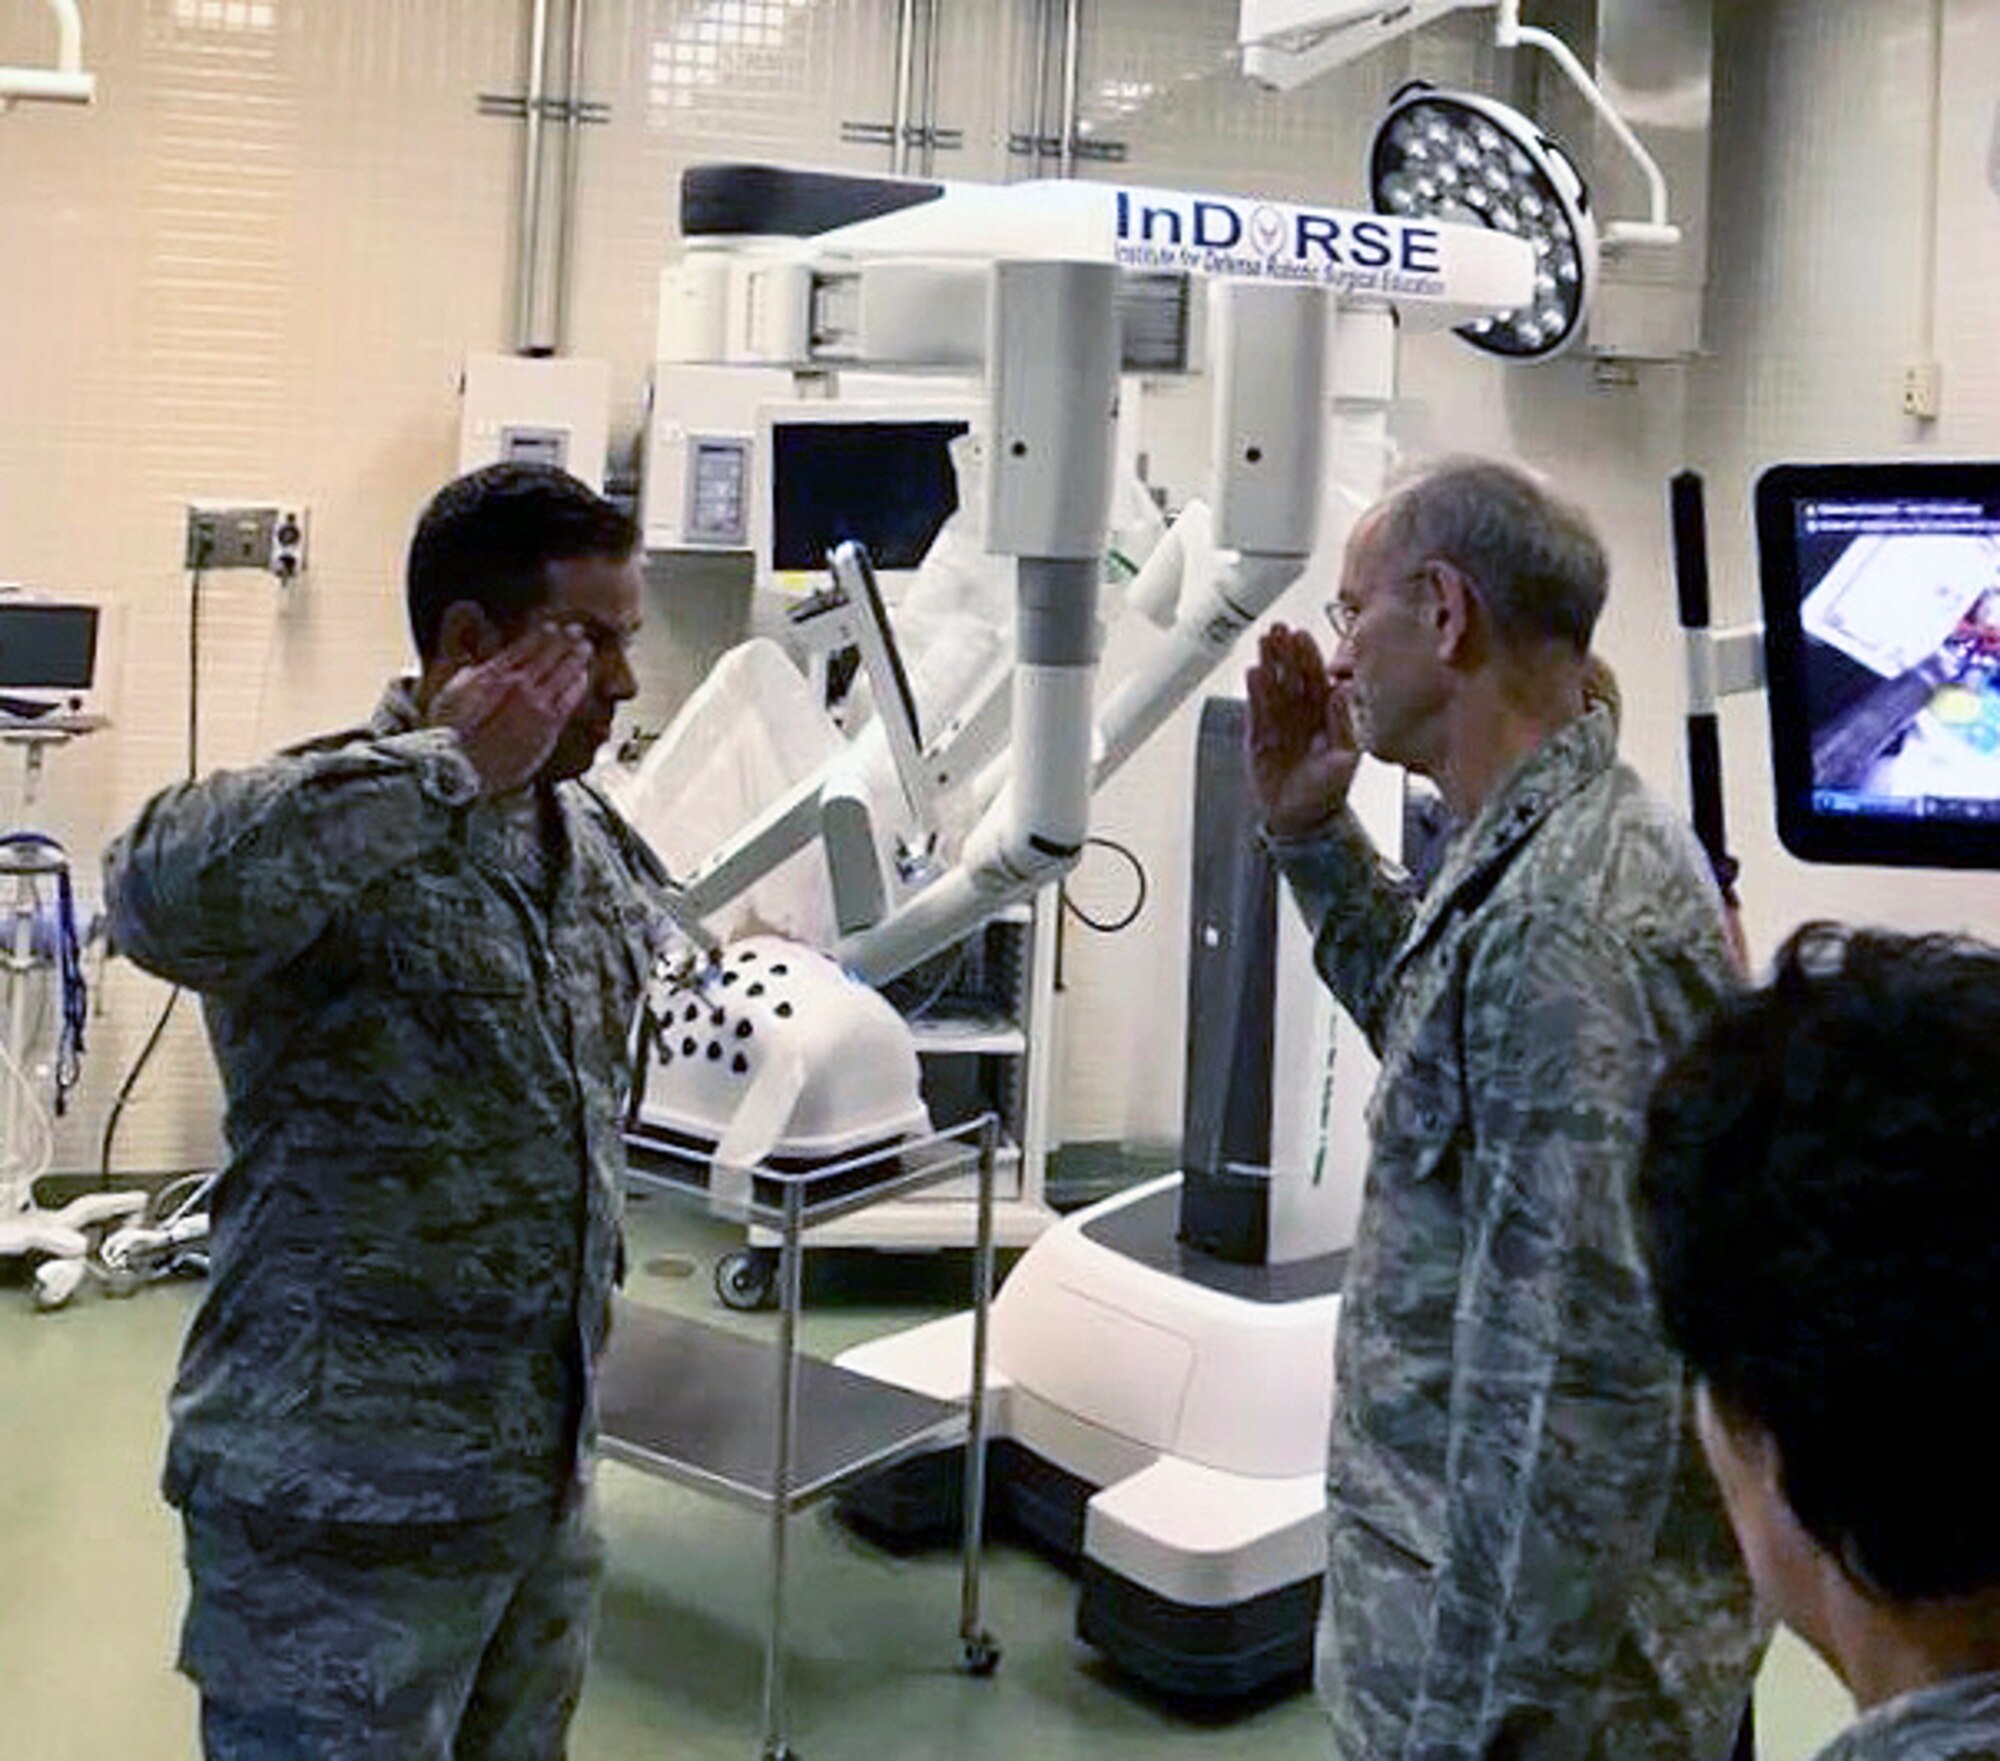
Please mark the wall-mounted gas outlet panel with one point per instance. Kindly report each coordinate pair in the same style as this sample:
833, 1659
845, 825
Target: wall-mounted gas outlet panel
247, 535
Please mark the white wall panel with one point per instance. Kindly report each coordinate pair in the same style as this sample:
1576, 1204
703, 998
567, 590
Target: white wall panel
1163, 80
1822, 109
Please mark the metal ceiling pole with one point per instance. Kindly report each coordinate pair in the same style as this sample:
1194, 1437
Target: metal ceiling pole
528, 245
1038, 120
899, 125
1072, 81
571, 142
930, 87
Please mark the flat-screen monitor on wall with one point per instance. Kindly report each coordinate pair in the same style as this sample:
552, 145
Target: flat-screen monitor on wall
1881, 587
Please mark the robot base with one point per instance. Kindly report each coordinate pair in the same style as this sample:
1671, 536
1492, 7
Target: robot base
1160, 1424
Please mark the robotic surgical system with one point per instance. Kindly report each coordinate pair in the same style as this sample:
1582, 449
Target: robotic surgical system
1167, 1415
1161, 1412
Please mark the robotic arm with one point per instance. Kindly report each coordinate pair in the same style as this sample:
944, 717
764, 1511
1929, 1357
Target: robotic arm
816, 272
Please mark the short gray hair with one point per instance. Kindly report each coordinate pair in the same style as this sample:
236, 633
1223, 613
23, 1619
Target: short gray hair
1536, 560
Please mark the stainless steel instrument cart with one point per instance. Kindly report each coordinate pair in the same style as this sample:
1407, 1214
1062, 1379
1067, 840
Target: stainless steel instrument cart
772, 1429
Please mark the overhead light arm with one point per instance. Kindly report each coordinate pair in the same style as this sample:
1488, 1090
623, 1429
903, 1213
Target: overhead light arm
1287, 43
64, 83
1656, 230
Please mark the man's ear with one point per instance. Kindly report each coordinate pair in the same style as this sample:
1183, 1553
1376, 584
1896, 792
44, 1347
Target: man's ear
1451, 604
466, 635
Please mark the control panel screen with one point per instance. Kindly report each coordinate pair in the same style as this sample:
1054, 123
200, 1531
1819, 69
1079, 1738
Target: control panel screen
887, 484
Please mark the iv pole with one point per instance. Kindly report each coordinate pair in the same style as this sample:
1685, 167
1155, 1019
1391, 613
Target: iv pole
60, 1238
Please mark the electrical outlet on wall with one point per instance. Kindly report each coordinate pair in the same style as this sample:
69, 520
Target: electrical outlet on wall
247, 535
1922, 389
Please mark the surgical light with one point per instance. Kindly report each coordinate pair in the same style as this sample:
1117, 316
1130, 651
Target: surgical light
1286, 43
1471, 161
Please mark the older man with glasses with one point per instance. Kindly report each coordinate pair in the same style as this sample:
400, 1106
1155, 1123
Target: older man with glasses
1525, 1558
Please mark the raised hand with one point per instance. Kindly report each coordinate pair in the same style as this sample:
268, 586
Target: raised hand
1302, 749
510, 710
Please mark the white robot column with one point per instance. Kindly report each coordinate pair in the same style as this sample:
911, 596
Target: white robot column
1270, 353
1322, 1070
1052, 370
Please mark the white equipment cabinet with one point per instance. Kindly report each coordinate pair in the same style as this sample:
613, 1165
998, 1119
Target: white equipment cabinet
536, 410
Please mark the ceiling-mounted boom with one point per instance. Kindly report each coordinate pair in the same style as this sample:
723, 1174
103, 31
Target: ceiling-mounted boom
65, 82
1288, 43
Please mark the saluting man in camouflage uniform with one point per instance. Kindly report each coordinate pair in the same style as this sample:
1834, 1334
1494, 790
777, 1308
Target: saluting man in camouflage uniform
419, 944
1824, 1224
1525, 1557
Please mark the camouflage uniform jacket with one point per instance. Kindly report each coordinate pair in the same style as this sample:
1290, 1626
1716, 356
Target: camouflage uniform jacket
1954, 1721
424, 1053
1525, 1556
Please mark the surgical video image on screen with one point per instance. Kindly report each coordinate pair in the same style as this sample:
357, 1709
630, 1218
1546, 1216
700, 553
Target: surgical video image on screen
1901, 614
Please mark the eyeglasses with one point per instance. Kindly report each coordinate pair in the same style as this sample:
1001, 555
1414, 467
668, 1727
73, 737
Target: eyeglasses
1343, 617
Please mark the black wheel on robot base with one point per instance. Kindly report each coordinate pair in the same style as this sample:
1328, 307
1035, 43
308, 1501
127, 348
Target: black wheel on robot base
747, 1279
982, 1654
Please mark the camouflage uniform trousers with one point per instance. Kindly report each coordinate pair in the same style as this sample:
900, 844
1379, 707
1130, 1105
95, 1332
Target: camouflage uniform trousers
315, 1641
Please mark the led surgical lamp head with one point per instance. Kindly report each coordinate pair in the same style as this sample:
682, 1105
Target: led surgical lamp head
1286, 43
1471, 161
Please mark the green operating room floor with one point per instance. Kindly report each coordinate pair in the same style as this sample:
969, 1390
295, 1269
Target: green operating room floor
91, 1591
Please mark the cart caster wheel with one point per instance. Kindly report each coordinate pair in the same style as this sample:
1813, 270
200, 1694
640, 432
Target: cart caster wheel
783, 1752
746, 1279
982, 1655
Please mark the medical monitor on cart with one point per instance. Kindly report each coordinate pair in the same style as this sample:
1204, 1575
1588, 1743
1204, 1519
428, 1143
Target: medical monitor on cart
878, 473
1881, 587
48, 657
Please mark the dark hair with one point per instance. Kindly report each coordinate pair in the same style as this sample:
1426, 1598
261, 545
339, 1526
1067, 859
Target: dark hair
1821, 1193
490, 535
1535, 559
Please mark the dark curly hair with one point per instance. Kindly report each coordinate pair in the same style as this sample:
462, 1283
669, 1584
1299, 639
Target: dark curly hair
490, 535
1821, 1190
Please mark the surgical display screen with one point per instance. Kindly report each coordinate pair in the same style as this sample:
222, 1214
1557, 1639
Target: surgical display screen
887, 485
1882, 637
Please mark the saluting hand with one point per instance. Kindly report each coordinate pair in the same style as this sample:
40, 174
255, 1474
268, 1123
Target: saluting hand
1302, 749
510, 710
